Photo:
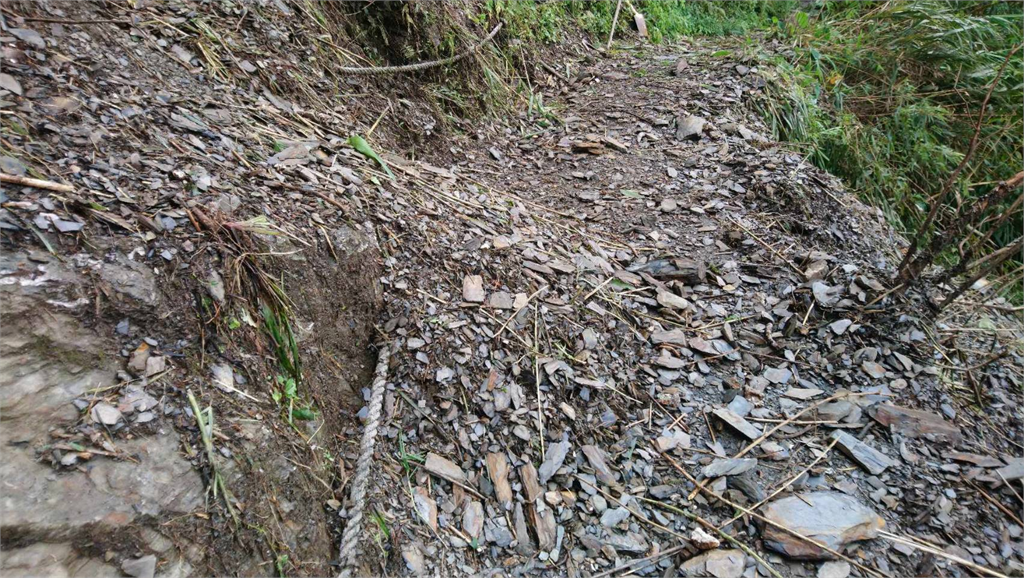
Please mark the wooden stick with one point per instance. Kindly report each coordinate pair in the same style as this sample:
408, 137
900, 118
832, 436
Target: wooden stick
768, 433
784, 486
938, 200
513, 316
939, 552
598, 288
712, 527
995, 502
647, 560
785, 422
536, 377
615, 22
639, 516
1009, 486
767, 246
766, 520
36, 183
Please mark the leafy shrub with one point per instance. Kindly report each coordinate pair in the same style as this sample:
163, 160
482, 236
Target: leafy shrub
886, 96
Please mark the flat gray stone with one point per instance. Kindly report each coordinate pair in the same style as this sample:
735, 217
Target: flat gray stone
473, 289
613, 517
473, 519
596, 458
444, 468
839, 327
1013, 471
425, 507
673, 337
802, 394
717, 563
690, 127
628, 542
414, 560
836, 569
105, 414
831, 518
553, 459
867, 457
875, 370
778, 376
740, 406
917, 424
744, 427
501, 300
729, 467
144, 567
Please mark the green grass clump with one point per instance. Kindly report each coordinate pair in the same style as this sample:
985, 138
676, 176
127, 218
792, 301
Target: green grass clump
547, 22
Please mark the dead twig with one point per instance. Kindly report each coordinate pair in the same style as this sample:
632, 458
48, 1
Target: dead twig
501, 329
788, 483
36, 183
905, 268
615, 22
777, 525
746, 549
767, 246
787, 421
639, 516
918, 544
994, 502
643, 561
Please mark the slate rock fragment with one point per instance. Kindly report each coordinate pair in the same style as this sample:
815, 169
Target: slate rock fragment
831, 518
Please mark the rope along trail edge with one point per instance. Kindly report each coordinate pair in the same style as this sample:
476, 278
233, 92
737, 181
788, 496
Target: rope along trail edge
421, 65
350, 538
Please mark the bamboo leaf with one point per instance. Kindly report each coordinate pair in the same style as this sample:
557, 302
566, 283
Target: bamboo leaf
359, 143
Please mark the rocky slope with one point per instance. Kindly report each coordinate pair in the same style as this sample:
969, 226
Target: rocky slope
631, 334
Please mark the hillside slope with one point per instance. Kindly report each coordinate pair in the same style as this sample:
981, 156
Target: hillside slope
590, 307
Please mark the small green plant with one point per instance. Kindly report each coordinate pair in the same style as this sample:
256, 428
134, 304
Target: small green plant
287, 394
287, 349
537, 109
204, 421
282, 564
383, 534
407, 459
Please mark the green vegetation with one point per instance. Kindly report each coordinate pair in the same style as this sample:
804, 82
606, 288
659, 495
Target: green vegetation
287, 393
383, 534
887, 97
279, 328
546, 22
406, 458
286, 389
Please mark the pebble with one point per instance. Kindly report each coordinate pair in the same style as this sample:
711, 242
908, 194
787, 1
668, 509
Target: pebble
834, 569
144, 567
105, 414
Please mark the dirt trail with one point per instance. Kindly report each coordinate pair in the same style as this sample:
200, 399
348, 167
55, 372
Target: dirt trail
597, 310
